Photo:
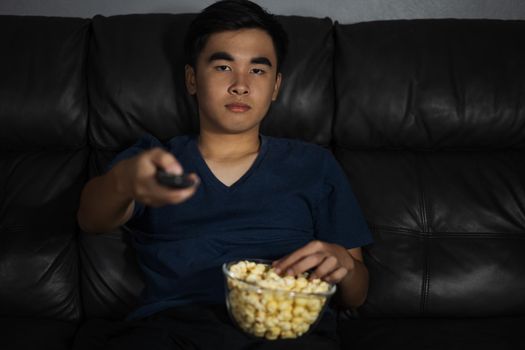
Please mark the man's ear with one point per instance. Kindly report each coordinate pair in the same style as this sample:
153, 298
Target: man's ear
277, 86
191, 81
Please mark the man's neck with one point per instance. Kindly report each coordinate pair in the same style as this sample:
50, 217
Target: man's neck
224, 146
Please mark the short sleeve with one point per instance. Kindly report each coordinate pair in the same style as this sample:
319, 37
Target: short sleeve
339, 218
144, 143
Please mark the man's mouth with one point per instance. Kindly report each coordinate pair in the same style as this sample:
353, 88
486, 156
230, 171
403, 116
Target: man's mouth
238, 107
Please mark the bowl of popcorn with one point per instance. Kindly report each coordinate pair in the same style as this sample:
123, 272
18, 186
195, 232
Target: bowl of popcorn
266, 305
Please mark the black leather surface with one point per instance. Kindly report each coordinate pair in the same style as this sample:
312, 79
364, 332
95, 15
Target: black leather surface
430, 84
305, 105
502, 333
136, 65
42, 79
111, 280
429, 128
38, 247
36, 333
43, 126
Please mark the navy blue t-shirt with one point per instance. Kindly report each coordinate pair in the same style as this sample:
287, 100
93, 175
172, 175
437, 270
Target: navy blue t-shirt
294, 192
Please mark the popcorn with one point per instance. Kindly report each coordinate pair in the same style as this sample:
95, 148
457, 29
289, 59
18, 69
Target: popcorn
267, 305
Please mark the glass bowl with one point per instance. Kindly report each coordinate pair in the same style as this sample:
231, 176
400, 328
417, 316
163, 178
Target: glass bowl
268, 311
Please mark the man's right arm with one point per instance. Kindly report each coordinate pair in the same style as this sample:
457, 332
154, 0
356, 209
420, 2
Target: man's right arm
108, 201
103, 206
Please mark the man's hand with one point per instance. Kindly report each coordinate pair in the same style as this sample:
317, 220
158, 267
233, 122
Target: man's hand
329, 262
135, 179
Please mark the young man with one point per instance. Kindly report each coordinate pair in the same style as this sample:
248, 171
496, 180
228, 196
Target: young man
253, 197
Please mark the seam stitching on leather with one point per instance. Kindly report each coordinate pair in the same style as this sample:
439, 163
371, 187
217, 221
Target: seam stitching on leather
425, 228
426, 277
437, 235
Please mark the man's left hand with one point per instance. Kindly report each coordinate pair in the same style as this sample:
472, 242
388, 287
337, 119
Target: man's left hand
329, 262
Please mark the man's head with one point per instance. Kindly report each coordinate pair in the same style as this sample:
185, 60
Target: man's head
230, 15
234, 50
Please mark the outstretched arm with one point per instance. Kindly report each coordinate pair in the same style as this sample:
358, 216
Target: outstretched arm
108, 201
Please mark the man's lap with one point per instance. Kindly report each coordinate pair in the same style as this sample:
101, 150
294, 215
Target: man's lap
193, 327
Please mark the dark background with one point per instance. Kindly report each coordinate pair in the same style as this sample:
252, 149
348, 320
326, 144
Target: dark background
344, 11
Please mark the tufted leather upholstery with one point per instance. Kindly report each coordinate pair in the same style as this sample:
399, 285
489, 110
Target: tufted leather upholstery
43, 121
429, 127
427, 118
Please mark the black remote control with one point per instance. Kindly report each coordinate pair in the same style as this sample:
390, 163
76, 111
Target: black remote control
172, 180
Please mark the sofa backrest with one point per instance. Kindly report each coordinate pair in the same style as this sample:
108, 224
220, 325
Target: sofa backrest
430, 127
43, 158
426, 118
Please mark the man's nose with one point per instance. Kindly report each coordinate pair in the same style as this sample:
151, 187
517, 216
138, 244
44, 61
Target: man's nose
239, 86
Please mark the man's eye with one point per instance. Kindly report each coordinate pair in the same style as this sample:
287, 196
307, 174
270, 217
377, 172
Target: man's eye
222, 68
258, 71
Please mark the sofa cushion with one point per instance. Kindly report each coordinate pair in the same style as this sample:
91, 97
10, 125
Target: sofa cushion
111, 280
305, 106
43, 86
38, 246
430, 84
36, 333
136, 85
502, 333
448, 239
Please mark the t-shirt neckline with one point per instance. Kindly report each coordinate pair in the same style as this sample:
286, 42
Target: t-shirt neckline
205, 171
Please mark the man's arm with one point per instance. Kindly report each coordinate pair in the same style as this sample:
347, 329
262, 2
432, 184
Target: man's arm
108, 201
353, 288
103, 207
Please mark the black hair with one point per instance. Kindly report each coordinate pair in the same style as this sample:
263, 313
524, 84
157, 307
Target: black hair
228, 15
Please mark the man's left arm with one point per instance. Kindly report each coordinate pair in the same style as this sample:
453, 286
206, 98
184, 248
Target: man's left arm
353, 288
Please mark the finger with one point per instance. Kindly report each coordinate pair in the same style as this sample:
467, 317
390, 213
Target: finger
166, 161
159, 188
325, 268
306, 263
156, 194
195, 178
284, 263
336, 276
170, 196
175, 196
181, 195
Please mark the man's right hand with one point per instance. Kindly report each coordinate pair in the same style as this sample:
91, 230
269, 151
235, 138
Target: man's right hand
135, 179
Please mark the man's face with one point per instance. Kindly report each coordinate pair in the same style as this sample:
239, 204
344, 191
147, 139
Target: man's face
235, 80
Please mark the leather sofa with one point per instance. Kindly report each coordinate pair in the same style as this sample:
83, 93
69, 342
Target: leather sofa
427, 118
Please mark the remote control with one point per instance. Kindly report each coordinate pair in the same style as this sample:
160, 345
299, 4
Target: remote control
172, 180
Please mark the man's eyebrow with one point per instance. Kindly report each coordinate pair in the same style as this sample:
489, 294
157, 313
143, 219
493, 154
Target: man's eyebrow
261, 60
220, 56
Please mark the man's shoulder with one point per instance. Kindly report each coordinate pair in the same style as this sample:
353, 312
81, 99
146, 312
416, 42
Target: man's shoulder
148, 141
283, 142
177, 142
297, 147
